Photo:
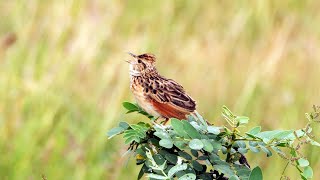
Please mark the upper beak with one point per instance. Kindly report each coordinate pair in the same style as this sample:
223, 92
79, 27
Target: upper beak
132, 54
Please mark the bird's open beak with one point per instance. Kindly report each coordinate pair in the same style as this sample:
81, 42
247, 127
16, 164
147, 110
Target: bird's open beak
131, 61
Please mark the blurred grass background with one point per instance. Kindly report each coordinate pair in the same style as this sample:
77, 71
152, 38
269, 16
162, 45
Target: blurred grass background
63, 76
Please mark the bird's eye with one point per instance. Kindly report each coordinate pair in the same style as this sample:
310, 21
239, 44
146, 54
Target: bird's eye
139, 61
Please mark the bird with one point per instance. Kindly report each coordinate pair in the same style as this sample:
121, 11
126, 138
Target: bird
155, 94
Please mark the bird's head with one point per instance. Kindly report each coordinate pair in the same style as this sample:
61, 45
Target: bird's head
141, 64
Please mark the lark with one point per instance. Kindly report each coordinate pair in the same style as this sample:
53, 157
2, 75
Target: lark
155, 94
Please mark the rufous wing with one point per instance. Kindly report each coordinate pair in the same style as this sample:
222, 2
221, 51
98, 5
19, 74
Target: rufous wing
168, 111
170, 100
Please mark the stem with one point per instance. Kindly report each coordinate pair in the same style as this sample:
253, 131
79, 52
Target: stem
164, 174
285, 168
248, 140
233, 137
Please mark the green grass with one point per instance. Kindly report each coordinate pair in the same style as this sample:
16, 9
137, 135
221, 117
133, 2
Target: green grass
63, 80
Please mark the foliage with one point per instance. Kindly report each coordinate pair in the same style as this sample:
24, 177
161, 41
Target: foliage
194, 149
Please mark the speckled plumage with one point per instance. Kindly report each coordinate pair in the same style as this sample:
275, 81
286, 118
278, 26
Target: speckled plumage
157, 95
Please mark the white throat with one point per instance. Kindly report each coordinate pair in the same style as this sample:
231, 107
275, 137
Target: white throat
133, 72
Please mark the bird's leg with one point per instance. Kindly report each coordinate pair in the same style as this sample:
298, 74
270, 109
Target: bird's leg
161, 122
165, 121
155, 119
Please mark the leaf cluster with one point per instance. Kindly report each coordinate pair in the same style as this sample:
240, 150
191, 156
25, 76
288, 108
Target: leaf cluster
194, 149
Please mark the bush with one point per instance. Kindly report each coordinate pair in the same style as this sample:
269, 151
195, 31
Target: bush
195, 149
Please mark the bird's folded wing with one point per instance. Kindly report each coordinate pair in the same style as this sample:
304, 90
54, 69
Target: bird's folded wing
169, 96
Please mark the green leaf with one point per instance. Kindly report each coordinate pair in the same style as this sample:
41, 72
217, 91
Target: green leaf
177, 125
188, 176
277, 150
168, 168
197, 126
146, 114
307, 172
131, 132
177, 168
141, 134
203, 157
234, 177
276, 134
191, 131
283, 134
216, 145
293, 152
227, 112
196, 165
194, 153
156, 176
241, 144
255, 130
215, 159
242, 171
300, 133
242, 150
242, 119
303, 162
181, 144
143, 170
253, 143
181, 173
313, 142
158, 159
124, 125
131, 139
167, 143
196, 144
162, 135
144, 125
224, 168
266, 150
201, 119
224, 150
130, 107
114, 131
256, 174
163, 165
141, 152
213, 129
191, 118
252, 136
128, 112
185, 155
171, 158
207, 146
254, 149
266, 140
205, 176
140, 127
